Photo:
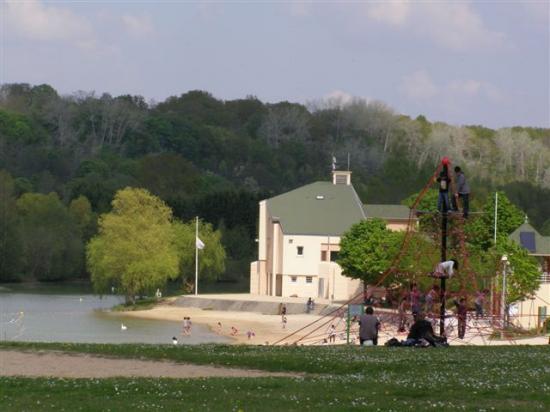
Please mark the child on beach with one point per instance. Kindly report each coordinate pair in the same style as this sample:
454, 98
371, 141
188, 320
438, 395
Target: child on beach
332, 334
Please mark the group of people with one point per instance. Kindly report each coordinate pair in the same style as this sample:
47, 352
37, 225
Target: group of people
421, 332
461, 191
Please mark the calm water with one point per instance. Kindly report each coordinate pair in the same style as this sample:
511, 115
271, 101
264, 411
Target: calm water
48, 314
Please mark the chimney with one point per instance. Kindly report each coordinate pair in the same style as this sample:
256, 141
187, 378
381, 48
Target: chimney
341, 177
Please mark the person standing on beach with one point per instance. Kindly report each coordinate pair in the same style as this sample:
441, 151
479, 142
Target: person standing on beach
283, 310
284, 321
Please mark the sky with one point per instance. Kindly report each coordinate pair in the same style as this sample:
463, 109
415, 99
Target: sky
461, 62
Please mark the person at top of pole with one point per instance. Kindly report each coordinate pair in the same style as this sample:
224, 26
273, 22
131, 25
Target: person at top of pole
444, 180
445, 269
462, 191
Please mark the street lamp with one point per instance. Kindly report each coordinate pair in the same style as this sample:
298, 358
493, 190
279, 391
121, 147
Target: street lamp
504, 261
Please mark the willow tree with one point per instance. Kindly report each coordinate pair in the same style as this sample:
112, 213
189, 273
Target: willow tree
135, 248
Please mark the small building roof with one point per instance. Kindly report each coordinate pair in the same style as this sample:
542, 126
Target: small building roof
388, 212
320, 208
528, 237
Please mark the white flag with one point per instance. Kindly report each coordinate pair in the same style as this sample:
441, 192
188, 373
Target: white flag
199, 244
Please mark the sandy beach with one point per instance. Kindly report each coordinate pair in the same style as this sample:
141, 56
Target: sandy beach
266, 328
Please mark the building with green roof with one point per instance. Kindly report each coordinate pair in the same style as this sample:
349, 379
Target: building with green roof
299, 239
534, 311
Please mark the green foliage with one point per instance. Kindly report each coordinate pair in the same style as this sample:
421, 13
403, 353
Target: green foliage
211, 257
428, 203
523, 274
481, 231
85, 219
51, 246
10, 245
135, 250
545, 229
367, 250
215, 159
16, 127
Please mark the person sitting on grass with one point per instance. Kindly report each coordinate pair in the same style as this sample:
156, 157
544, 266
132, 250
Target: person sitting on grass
445, 269
422, 330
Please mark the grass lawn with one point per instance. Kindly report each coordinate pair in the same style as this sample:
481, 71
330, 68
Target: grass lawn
338, 378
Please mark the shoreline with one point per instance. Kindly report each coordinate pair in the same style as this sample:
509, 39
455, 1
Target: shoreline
267, 329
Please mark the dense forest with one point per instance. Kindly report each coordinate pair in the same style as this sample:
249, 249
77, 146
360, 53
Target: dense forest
62, 159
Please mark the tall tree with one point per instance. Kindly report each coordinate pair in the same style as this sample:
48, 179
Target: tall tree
135, 250
10, 247
51, 243
367, 250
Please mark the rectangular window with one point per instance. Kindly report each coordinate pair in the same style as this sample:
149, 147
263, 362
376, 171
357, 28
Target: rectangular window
300, 250
309, 279
294, 279
333, 256
323, 255
290, 241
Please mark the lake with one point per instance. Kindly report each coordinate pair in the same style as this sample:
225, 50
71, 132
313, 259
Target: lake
58, 313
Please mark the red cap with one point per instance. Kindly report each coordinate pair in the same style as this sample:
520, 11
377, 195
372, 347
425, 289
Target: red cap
445, 161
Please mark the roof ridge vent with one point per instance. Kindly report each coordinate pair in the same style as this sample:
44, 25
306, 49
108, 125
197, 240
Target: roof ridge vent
341, 177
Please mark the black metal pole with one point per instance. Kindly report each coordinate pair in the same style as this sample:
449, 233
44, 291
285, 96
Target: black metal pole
442, 294
442, 291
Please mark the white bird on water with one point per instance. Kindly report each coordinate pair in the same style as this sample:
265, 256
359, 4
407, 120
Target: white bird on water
123, 326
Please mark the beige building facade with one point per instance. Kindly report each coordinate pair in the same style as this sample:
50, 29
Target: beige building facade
534, 311
299, 240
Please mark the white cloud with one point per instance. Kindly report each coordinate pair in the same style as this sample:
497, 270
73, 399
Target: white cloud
475, 88
338, 97
393, 13
453, 25
34, 20
137, 25
458, 26
419, 85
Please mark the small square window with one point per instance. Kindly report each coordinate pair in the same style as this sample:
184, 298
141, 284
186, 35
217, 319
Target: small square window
300, 250
291, 241
333, 256
294, 279
309, 279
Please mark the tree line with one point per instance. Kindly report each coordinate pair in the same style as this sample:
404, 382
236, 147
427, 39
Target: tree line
216, 159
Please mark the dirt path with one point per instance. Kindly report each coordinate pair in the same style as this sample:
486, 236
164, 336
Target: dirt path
64, 365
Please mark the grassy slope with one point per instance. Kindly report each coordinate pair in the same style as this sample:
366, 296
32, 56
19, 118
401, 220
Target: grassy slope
346, 378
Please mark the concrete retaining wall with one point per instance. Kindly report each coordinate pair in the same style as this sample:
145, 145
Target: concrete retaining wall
266, 308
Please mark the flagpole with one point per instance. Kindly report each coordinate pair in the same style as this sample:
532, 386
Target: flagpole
196, 257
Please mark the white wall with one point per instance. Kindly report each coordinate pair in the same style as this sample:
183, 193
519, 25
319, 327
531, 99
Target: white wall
528, 309
300, 288
308, 263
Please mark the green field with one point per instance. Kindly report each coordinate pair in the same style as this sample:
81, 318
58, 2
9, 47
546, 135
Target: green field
334, 378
